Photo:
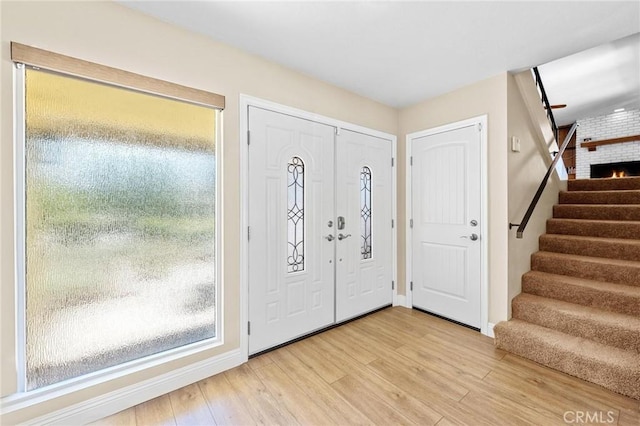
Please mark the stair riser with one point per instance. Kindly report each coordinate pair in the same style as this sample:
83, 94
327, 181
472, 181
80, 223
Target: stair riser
628, 275
603, 184
601, 299
624, 250
621, 380
565, 322
612, 197
630, 230
593, 212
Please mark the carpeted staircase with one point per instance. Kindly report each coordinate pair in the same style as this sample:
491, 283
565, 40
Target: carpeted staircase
579, 310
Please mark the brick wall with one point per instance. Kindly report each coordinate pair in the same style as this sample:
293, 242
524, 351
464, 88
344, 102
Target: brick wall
614, 125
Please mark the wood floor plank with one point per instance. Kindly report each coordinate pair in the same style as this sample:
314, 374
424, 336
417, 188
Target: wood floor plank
260, 361
628, 417
453, 363
396, 366
381, 334
292, 398
318, 389
538, 391
377, 410
224, 401
390, 323
257, 398
307, 351
342, 340
123, 418
156, 411
500, 409
190, 407
370, 383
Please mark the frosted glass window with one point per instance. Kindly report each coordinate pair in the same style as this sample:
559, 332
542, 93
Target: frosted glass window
295, 215
120, 226
365, 213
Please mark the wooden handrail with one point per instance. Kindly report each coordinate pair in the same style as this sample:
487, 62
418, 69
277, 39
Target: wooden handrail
593, 144
543, 184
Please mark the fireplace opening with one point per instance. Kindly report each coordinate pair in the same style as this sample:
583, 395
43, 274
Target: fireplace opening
609, 170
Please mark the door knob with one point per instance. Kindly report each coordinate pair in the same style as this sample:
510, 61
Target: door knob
473, 237
343, 237
329, 237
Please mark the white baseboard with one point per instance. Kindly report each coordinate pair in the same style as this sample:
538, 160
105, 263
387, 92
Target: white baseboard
400, 300
490, 326
113, 402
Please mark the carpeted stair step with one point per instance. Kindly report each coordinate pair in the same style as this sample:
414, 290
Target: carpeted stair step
595, 228
597, 211
600, 197
623, 299
615, 271
608, 328
613, 368
611, 248
604, 184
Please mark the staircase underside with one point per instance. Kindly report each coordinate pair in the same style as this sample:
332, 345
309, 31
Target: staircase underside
579, 310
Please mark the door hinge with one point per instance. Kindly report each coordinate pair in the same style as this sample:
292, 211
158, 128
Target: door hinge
410, 223
479, 127
393, 285
411, 160
248, 137
337, 131
248, 232
411, 285
393, 223
249, 327
392, 162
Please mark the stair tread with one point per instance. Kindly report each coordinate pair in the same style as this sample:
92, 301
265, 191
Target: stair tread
621, 241
605, 191
626, 290
585, 221
602, 260
630, 182
614, 368
587, 313
587, 348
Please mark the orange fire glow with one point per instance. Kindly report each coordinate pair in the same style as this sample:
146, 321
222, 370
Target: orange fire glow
618, 174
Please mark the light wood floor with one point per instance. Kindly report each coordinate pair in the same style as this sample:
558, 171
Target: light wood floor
396, 366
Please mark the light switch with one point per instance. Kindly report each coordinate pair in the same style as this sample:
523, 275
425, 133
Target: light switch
515, 144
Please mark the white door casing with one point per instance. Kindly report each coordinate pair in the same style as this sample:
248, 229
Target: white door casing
285, 303
364, 179
447, 211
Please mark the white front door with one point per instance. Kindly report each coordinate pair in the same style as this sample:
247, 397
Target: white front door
446, 200
291, 200
320, 247
364, 207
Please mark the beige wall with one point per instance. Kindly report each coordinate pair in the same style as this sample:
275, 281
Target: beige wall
111, 34
485, 97
526, 169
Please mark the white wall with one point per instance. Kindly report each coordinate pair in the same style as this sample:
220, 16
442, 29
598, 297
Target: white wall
614, 125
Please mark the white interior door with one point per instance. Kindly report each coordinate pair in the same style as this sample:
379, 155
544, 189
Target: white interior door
364, 244
446, 199
291, 200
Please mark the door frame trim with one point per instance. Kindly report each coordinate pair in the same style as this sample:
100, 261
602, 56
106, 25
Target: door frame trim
484, 217
245, 102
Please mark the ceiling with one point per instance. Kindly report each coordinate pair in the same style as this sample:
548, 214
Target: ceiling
400, 53
595, 81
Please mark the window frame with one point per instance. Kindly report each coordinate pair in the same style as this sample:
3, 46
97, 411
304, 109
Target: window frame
23, 57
